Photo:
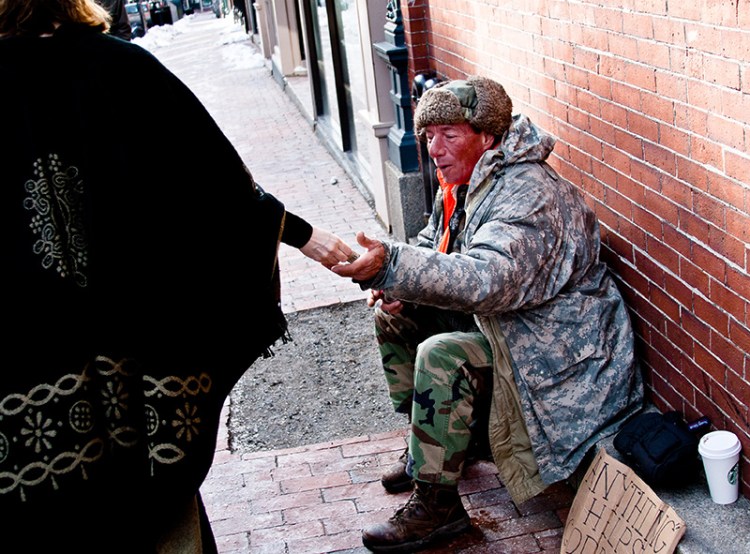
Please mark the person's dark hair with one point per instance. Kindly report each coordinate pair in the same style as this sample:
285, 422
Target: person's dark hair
39, 17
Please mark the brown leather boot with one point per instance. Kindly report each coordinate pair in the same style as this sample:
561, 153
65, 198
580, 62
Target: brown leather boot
432, 512
395, 479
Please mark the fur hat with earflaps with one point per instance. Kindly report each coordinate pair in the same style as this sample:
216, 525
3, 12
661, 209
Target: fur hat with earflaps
479, 101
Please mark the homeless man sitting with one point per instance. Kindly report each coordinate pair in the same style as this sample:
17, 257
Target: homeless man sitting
501, 305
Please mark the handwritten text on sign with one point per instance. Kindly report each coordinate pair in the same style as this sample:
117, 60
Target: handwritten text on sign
616, 512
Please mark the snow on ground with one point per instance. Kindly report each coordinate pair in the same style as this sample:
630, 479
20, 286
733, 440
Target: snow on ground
238, 51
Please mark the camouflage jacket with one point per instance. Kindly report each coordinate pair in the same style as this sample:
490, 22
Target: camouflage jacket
526, 265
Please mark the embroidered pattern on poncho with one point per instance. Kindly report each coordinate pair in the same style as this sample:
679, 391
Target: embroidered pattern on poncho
55, 199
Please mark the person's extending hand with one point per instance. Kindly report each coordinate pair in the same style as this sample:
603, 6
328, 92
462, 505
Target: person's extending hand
326, 248
368, 264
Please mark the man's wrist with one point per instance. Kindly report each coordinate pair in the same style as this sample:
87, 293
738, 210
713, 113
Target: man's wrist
379, 277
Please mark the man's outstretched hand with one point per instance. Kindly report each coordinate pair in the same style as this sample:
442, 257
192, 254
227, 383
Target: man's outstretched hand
368, 264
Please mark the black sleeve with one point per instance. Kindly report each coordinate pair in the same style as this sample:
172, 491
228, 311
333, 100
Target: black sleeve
296, 231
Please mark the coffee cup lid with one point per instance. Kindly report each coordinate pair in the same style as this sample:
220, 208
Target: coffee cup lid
719, 444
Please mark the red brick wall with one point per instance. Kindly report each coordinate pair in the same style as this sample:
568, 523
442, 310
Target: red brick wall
650, 101
415, 16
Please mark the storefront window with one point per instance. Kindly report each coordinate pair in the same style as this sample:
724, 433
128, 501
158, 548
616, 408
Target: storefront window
341, 79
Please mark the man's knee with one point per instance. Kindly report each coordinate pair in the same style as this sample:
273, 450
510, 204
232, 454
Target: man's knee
438, 342
441, 350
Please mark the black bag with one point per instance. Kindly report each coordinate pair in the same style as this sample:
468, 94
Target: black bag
660, 448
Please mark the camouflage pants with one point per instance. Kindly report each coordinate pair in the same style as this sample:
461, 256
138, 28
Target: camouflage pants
438, 367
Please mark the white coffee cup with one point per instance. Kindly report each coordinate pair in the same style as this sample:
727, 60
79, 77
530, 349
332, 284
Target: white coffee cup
720, 451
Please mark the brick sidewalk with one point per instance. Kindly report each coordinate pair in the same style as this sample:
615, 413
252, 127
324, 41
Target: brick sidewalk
316, 499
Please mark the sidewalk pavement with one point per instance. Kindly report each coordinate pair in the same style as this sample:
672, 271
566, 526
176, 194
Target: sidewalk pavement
316, 499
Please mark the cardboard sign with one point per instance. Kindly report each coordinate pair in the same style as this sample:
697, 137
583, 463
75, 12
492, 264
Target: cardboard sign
616, 512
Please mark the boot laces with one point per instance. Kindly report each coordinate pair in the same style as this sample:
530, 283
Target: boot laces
414, 508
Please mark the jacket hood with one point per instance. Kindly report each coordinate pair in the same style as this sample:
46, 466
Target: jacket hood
525, 142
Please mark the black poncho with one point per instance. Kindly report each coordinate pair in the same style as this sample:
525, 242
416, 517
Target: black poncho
140, 282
